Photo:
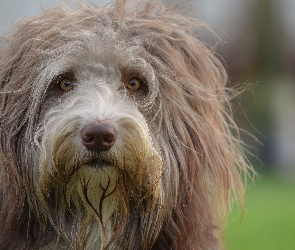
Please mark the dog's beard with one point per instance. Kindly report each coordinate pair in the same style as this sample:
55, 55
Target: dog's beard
101, 191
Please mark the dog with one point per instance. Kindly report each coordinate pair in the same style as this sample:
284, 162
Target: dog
116, 132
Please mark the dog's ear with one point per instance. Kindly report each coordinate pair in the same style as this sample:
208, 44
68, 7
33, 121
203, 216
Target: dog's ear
204, 153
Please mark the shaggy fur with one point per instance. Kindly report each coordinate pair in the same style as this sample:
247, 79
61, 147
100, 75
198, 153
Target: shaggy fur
167, 181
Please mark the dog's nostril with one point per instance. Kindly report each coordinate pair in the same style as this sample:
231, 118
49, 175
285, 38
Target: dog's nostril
99, 137
88, 138
108, 138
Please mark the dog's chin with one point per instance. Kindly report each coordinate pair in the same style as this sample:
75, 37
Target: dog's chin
94, 189
103, 181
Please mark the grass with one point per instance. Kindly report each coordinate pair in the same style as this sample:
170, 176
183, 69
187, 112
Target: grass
268, 222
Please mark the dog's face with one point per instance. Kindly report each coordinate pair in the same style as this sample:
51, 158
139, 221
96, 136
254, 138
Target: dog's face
115, 132
92, 123
95, 149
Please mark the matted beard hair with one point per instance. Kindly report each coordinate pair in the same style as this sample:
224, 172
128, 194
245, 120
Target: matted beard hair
167, 182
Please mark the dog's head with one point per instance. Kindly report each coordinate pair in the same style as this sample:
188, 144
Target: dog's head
116, 131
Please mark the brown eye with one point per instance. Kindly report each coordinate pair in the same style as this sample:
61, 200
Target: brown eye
134, 84
65, 85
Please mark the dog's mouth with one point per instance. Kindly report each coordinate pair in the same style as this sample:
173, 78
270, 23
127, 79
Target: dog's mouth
99, 162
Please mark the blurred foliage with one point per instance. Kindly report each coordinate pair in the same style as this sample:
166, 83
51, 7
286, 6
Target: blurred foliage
268, 221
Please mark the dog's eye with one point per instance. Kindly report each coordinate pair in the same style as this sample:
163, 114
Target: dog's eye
134, 84
65, 84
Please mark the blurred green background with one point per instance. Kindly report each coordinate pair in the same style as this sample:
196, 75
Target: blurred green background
257, 46
268, 220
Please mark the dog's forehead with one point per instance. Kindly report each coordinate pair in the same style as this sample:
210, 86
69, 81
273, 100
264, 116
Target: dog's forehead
95, 49
94, 55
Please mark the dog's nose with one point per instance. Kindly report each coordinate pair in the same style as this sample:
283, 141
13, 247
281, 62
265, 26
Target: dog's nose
99, 137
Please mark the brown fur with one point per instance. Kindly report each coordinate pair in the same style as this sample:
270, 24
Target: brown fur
187, 111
